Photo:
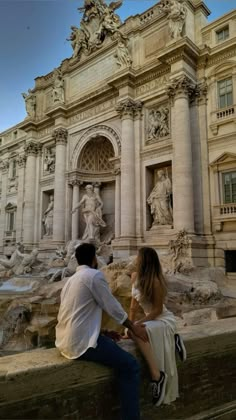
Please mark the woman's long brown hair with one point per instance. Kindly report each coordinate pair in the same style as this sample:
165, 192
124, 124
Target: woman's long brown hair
148, 272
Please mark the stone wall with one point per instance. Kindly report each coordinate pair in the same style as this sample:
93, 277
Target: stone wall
43, 385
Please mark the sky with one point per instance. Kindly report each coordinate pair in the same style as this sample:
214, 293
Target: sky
33, 42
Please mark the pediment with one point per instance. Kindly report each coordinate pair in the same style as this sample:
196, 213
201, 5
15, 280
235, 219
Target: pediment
10, 207
224, 158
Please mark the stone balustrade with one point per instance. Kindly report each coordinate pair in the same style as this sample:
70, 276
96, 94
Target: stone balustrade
41, 384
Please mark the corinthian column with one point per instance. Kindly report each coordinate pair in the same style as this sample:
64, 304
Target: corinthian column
75, 216
4, 167
31, 151
60, 135
180, 90
126, 109
21, 161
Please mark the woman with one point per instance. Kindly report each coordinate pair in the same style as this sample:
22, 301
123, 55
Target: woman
149, 291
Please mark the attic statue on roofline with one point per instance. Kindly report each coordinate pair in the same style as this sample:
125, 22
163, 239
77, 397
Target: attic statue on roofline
98, 22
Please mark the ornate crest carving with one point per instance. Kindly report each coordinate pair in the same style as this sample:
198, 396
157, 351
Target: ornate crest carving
98, 22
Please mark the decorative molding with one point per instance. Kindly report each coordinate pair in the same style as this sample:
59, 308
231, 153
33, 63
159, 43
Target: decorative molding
181, 86
32, 149
60, 135
128, 108
21, 161
4, 166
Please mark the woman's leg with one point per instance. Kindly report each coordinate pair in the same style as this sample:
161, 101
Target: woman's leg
147, 352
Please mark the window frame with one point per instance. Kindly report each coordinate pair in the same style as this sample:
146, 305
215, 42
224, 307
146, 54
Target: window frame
223, 30
223, 174
227, 104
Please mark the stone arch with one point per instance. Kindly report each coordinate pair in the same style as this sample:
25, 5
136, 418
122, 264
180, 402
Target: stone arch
95, 155
95, 132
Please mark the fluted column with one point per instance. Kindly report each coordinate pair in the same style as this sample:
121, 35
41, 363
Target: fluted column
75, 216
126, 109
117, 202
180, 90
60, 135
31, 151
201, 94
4, 169
21, 161
138, 184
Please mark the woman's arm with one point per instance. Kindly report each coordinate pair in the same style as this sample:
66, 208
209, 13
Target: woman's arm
157, 306
133, 309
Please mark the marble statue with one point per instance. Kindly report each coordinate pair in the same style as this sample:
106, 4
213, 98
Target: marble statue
48, 217
159, 200
79, 40
27, 261
15, 258
49, 161
58, 87
158, 123
176, 11
30, 103
92, 212
122, 54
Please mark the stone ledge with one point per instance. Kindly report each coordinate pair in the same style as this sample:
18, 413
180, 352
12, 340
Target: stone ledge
41, 384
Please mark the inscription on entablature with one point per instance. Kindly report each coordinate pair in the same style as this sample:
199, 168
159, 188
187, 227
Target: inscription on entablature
92, 75
45, 132
93, 111
155, 84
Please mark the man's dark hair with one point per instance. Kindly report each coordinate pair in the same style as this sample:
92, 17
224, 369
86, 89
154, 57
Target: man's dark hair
85, 254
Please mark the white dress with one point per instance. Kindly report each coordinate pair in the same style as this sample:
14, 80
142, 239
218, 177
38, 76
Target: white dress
161, 336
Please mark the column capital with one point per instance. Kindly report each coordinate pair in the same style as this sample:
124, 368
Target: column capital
201, 93
128, 108
21, 161
32, 149
75, 182
181, 86
4, 166
60, 135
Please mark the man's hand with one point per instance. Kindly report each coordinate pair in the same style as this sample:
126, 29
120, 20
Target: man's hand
140, 331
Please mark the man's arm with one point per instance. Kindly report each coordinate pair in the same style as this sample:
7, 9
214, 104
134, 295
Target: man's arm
110, 304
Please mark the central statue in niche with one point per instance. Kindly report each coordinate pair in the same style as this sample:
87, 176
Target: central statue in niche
92, 206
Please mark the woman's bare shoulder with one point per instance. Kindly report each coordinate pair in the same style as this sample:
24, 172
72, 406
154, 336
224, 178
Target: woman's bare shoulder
133, 277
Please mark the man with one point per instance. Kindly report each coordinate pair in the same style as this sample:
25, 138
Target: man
78, 336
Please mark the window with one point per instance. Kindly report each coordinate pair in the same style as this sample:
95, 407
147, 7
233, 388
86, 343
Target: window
225, 93
230, 261
11, 221
15, 135
229, 185
13, 173
222, 34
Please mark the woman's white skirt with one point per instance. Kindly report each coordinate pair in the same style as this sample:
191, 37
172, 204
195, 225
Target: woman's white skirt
161, 336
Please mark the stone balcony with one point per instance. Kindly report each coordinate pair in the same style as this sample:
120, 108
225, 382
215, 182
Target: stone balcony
223, 213
221, 117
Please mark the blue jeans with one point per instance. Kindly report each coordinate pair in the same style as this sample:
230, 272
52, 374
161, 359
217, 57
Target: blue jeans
127, 369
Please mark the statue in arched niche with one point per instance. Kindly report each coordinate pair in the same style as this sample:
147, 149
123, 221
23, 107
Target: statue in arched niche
92, 206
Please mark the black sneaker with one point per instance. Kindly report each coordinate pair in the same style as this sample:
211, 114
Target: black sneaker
180, 347
158, 389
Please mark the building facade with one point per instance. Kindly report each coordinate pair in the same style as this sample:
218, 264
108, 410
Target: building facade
144, 112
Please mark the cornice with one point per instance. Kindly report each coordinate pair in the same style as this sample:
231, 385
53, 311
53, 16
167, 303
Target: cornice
183, 49
156, 149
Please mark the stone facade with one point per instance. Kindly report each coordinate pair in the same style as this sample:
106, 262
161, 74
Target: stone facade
156, 93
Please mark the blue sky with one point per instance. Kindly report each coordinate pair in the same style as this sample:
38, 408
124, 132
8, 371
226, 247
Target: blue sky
33, 41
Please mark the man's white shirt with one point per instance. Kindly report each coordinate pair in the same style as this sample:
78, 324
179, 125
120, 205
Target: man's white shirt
83, 298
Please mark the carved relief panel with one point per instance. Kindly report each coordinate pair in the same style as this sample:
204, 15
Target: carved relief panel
157, 123
49, 160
